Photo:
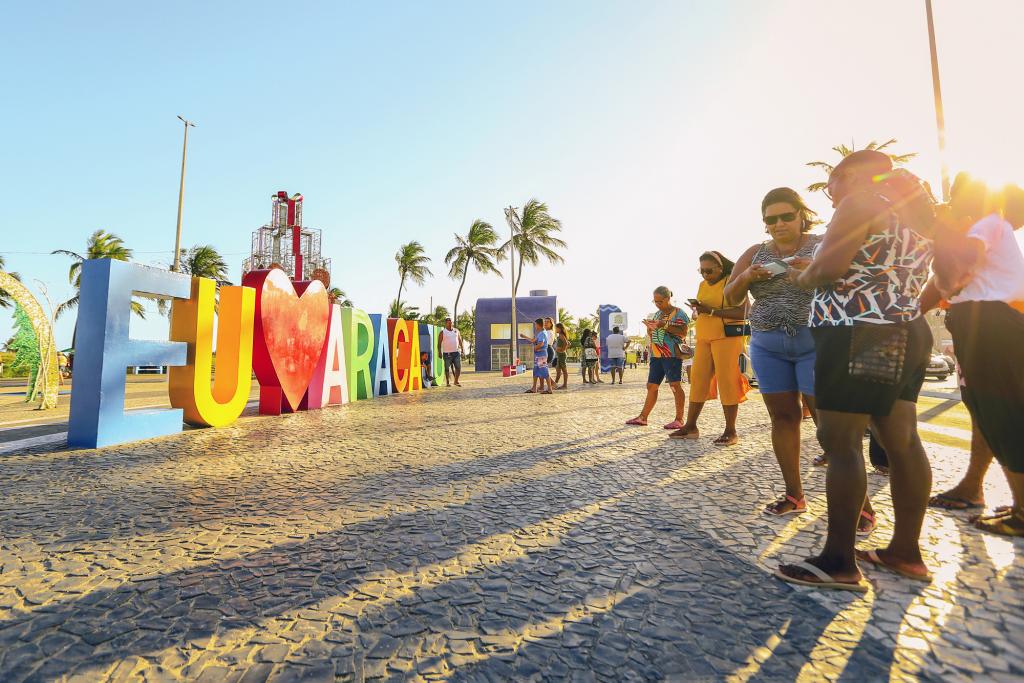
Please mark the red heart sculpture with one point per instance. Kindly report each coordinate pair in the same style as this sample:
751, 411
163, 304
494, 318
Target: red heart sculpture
288, 336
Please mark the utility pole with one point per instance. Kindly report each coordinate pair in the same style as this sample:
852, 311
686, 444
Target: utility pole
940, 119
181, 195
511, 216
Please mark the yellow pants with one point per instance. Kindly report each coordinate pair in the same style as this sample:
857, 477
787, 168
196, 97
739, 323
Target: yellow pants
721, 358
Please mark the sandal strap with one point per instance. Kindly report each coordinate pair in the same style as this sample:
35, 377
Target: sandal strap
797, 503
819, 573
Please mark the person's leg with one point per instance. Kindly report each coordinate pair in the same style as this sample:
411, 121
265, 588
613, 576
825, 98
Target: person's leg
457, 364
649, 401
679, 396
785, 411
447, 369
910, 477
969, 492
700, 383
841, 435
725, 357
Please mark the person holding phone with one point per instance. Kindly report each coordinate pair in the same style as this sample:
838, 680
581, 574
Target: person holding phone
781, 345
666, 330
717, 353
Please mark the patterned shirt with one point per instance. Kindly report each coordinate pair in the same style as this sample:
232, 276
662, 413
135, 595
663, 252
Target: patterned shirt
778, 302
884, 282
664, 344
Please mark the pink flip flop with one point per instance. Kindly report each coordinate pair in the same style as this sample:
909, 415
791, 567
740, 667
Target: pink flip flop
637, 422
675, 424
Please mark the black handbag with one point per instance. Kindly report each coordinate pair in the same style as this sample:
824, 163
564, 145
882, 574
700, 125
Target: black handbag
737, 329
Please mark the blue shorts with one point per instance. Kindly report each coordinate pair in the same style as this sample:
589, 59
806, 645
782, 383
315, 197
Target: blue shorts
783, 363
617, 362
665, 369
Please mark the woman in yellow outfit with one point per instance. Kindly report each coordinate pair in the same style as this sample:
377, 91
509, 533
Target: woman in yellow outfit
715, 355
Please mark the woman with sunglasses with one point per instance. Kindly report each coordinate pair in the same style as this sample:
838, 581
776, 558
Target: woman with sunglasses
716, 354
781, 345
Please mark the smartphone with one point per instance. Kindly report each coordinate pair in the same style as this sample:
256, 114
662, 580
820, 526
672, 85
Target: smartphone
776, 267
693, 302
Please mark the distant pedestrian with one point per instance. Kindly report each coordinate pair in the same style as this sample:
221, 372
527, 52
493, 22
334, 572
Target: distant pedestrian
541, 375
549, 335
588, 355
666, 330
616, 344
449, 344
561, 350
428, 379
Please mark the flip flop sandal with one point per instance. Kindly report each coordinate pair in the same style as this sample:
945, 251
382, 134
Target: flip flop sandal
726, 441
772, 509
674, 424
944, 501
997, 512
637, 422
823, 579
528, 391
1007, 525
872, 523
820, 461
681, 434
871, 557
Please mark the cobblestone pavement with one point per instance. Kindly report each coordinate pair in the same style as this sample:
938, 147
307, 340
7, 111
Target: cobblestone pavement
473, 534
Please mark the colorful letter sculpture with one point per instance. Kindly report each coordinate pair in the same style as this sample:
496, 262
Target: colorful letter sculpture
103, 352
192, 322
288, 336
306, 352
358, 331
380, 362
329, 385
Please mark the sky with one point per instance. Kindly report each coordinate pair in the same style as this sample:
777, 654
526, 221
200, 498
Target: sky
652, 130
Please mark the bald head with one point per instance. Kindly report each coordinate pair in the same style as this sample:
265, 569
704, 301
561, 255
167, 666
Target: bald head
856, 171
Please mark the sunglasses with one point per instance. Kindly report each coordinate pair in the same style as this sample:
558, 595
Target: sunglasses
787, 217
706, 271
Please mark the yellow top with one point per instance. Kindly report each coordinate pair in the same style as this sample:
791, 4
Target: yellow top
710, 327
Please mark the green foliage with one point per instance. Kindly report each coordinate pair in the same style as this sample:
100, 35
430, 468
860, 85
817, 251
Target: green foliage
402, 310
466, 325
101, 244
200, 261
25, 346
476, 249
412, 264
436, 316
843, 151
339, 296
533, 236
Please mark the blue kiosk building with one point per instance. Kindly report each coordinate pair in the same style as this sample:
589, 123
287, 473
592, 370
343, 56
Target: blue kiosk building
494, 327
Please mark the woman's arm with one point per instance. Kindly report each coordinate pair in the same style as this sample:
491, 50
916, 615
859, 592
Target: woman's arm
852, 222
743, 274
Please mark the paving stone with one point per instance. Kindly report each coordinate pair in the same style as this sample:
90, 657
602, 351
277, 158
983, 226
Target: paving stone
309, 547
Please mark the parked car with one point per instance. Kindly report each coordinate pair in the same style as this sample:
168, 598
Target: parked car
938, 367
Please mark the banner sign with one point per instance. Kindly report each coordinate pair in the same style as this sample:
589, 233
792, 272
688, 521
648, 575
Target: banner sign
306, 352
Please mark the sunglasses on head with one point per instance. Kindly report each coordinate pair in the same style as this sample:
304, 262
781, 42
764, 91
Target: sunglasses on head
784, 217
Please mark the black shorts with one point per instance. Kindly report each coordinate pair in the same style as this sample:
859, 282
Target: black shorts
839, 383
987, 336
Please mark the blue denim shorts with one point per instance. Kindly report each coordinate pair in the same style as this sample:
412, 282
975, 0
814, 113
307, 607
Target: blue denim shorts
783, 363
617, 362
665, 369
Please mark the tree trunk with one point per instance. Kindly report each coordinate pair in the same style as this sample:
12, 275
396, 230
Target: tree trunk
519, 275
455, 308
398, 299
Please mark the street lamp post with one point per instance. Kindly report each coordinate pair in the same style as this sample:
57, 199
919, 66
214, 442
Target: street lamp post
181, 194
940, 119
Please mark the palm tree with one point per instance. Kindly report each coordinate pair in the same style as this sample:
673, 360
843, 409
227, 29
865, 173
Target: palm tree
201, 261
338, 296
844, 151
465, 323
400, 310
533, 237
412, 263
475, 249
436, 316
101, 244
5, 297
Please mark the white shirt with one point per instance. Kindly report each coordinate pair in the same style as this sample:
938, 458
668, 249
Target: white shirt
1000, 274
449, 340
616, 345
